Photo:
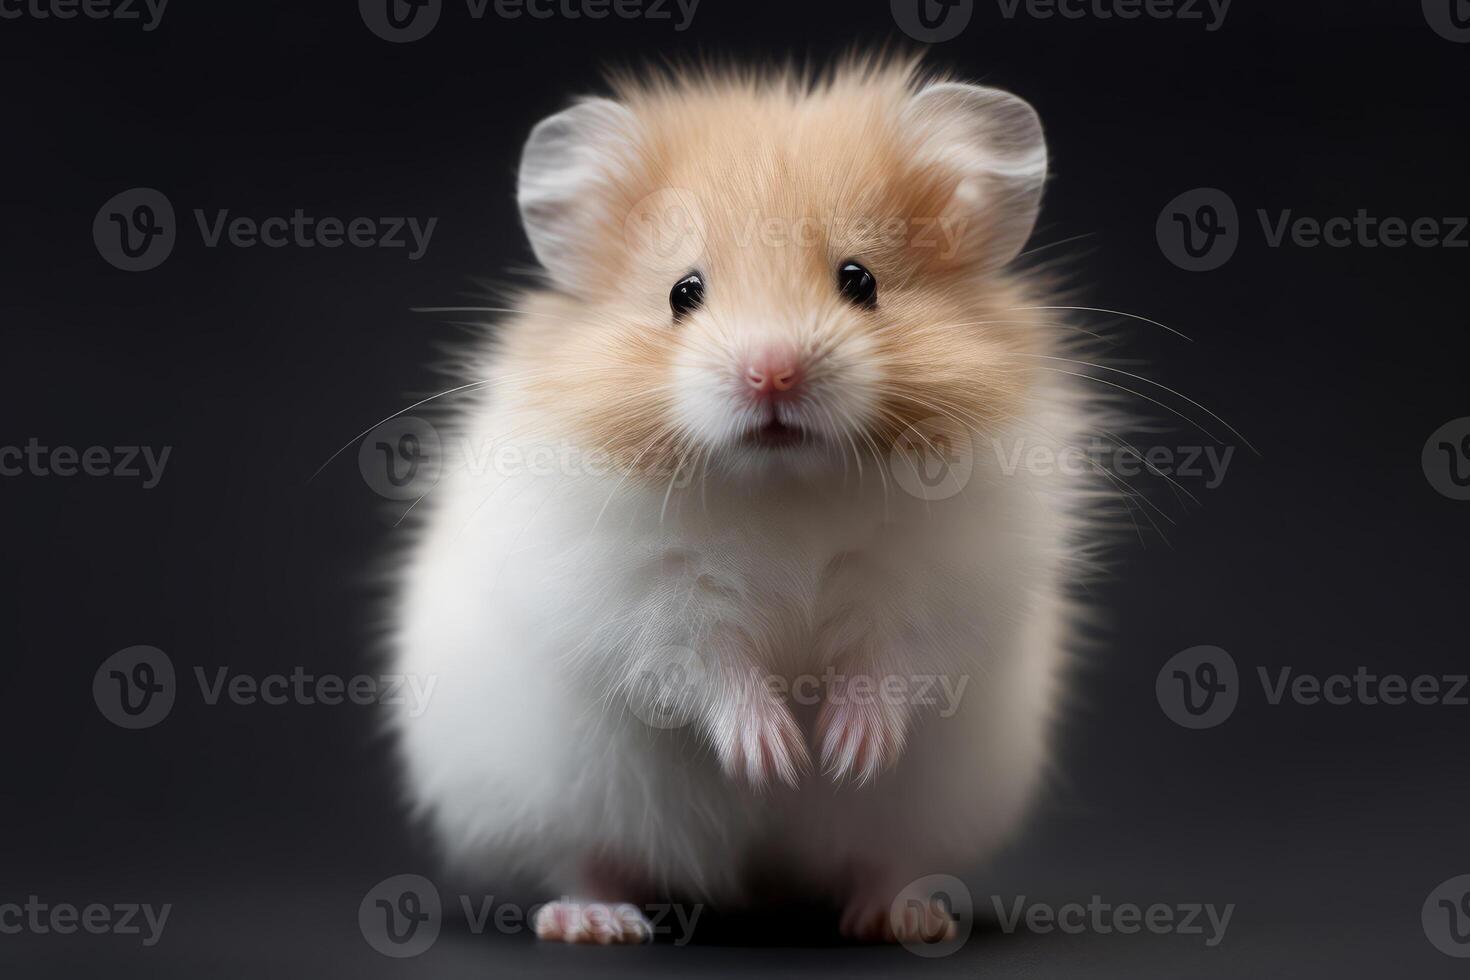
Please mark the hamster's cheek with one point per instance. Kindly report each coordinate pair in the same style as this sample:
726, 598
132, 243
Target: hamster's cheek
704, 403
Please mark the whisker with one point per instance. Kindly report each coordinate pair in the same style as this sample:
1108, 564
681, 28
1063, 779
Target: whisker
369, 429
1139, 377
1095, 309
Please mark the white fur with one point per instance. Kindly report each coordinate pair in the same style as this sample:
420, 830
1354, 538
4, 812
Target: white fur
531, 598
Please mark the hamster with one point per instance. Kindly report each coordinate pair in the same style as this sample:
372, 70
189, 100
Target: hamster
711, 634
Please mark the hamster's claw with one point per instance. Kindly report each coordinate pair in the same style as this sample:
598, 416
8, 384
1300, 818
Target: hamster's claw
860, 738
759, 740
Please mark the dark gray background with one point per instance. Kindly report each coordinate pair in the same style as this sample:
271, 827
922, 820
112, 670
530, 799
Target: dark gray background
1326, 826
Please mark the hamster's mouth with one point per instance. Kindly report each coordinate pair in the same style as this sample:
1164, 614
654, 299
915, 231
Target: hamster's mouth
776, 434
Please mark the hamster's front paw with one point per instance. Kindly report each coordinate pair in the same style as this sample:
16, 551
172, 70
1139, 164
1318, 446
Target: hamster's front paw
860, 735
756, 738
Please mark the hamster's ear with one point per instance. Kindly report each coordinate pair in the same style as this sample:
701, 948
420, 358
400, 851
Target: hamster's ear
566, 168
994, 140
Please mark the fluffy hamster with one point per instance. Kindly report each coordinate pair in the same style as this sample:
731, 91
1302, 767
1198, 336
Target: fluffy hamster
726, 625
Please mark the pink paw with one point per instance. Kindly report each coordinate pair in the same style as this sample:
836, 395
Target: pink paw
860, 736
592, 922
757, 738
871, 919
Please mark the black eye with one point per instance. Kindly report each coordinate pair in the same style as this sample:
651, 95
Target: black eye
687, 296
857, 284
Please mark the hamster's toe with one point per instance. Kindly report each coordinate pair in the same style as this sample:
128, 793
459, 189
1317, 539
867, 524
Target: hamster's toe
870, 918
760, 741
600, 923
860, 738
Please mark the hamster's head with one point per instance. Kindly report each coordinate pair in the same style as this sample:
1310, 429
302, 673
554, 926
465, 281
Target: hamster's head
762, 274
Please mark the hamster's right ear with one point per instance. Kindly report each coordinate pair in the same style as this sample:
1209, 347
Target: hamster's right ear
994, 142
566, 169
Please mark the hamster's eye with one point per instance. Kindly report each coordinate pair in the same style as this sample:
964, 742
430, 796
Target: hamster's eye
687, 296
857, 284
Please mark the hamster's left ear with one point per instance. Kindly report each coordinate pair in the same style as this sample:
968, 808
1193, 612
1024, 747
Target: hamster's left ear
994, 141
566, 168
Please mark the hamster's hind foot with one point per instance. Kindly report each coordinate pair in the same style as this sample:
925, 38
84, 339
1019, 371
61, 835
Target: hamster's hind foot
600, 923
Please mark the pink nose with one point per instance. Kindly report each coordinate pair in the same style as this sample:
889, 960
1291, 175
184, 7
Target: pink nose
773, 372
